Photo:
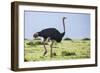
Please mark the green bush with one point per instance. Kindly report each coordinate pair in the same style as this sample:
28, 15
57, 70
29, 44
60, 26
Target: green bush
65, 53
36, 43
40, 43
25, 60
54, 54
37, 39
30, 43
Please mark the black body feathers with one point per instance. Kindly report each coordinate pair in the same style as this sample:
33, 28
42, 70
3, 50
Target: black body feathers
51, 33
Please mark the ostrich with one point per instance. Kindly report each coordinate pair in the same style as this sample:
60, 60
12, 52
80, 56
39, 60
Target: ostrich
53, 34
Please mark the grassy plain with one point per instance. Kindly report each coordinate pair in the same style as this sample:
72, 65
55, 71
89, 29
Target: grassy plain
67, 49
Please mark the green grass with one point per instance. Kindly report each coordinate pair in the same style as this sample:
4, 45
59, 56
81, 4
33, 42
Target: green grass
76, 49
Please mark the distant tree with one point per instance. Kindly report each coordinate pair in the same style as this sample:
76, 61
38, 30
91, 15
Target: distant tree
25, 39
86, 39
68, 39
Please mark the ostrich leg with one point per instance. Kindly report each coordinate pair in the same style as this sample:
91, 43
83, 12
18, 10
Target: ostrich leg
44, 48
51, 49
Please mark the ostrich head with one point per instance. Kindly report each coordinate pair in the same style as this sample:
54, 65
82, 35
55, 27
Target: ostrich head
36, 35
64, 17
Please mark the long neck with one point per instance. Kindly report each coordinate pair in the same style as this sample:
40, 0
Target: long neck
64, 23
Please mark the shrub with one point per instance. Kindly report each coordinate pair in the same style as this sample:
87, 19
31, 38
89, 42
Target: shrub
37, 38
65, 53
36, 43
30, 43
25, 60
40, 43
54, 54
